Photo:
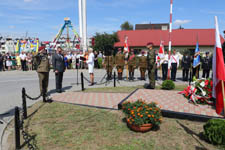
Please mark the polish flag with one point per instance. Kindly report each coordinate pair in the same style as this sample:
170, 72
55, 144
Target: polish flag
218, 72
126, 47
161, 50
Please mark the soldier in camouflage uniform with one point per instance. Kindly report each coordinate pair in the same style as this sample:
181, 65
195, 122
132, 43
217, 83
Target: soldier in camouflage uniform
143, 65
151, 65
131, 64
109, 64
120, 62
43, 67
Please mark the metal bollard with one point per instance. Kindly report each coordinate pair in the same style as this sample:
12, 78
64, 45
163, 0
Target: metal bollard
17, 128
114, 77
82, 81
24, 103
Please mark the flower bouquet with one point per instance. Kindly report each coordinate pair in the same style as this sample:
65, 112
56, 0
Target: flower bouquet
199, 92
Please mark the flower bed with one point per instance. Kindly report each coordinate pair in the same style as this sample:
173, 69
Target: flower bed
139, 113
199, 92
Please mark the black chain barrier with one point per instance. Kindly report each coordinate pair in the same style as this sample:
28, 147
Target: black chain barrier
19, 124
100, 83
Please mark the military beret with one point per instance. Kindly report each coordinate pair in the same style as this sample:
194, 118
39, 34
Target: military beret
206, 52
150, 43
41, 48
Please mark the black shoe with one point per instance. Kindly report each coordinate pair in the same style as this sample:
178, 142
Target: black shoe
59, 91
91, 84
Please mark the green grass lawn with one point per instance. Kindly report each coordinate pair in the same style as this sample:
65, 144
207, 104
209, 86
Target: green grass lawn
128, 89
59, 126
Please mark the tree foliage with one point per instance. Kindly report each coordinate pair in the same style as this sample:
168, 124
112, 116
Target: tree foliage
126, 26
105, 41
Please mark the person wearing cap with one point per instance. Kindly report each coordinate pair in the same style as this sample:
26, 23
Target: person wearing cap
120, 62
109, 64
206, 65
43, 67
151, 64
143, 65
58, 64
185, 64
174, 64
132, 60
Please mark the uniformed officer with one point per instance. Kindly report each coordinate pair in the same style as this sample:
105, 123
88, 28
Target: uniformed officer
109, 64
120, 62
174, 64
206, 65
43, 67
143, 65
151, 65
164, 62
185, 64
131, 64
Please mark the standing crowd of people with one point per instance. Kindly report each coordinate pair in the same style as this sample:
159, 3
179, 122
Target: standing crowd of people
25, 60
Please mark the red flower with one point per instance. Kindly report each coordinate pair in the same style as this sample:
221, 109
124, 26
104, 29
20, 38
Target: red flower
206, 82
211, 83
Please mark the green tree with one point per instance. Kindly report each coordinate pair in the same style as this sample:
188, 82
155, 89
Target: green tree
105, 42
126, 26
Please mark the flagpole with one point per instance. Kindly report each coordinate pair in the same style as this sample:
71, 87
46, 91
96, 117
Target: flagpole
170, 32
222, 82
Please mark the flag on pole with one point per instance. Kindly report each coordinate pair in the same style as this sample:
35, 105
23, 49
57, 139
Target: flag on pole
18, 46
161, 50
218, 71
126, 47
196, 61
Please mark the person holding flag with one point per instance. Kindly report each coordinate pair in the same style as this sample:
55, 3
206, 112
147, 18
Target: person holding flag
174, 64
218, 72
164, 62
126, 53
196, 61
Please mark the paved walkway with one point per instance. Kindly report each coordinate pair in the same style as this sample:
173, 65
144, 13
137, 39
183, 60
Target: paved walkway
168, 100
171, 100
100, 100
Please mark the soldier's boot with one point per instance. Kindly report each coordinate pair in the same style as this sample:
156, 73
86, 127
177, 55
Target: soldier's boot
44, 95
132, 74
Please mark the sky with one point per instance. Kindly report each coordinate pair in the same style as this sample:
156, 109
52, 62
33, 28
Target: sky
43, 18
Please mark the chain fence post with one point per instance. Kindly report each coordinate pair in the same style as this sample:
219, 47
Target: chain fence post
17, 128
114, 77
82, 81
24, 103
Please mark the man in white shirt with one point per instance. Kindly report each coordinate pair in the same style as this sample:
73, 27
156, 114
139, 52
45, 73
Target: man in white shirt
23, 58
174, 64
90, 62
164, 62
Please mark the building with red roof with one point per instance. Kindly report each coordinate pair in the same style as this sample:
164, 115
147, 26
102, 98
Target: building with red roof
182, 39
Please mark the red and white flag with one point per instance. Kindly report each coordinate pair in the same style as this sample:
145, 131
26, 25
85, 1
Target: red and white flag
126, 47
218, 71
161, 50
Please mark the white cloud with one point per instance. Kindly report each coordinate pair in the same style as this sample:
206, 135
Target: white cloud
27, 1
181, 22
12, 27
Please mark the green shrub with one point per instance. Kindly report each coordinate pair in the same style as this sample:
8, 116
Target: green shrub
168, 85
100, 62
214, 131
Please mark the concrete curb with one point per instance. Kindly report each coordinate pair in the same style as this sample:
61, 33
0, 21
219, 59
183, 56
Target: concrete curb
3, 133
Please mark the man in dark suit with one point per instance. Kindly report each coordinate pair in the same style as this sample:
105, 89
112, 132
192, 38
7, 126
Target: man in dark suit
59, 68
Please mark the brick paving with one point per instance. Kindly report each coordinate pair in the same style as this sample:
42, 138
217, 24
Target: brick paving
168, 100
171, 100
103, 100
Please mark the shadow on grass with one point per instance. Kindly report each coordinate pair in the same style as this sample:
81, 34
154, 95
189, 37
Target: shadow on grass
194, 135
30, 141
